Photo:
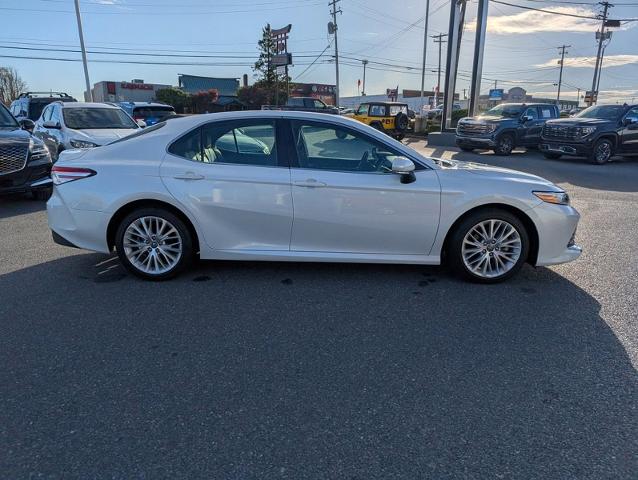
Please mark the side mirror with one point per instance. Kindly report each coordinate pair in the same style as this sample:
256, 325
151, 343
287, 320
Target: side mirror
405, 168
27, 124
53, 125
629, 121
526, 118
141, 123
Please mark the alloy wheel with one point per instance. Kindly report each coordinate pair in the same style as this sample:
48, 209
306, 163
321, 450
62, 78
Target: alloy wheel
491, 248
152, 245
603, 152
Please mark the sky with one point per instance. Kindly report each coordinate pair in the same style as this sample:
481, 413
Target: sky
155, 40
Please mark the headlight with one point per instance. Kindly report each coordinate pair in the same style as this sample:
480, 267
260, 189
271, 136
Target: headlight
37, 150
83, 144
558, 198
584, 131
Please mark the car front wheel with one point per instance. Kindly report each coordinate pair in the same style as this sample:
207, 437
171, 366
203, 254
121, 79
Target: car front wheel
488, 246
154, 244
504, 144
602, 152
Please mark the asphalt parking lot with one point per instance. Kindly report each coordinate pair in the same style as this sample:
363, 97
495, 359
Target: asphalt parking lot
325, 371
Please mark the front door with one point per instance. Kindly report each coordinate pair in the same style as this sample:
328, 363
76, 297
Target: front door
232, 178
629, 133
530, 131
346, 199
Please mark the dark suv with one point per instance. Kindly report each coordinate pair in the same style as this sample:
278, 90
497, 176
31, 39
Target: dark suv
505, 127
25, 163
597, 133
30, 104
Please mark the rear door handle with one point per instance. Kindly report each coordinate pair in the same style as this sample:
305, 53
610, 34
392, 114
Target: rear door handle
189, 176
310, 183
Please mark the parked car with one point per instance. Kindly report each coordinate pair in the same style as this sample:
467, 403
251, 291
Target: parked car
82, 125
304, 104
358, 195
437, 111
387, 117
30, 104
505, 127
148, 112
597, 133
25, 162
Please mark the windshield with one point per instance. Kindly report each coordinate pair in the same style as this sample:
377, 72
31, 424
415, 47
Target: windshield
87, 118
608, 112
504, 110
6, 119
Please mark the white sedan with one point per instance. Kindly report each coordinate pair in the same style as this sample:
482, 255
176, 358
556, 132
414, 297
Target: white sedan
298, 186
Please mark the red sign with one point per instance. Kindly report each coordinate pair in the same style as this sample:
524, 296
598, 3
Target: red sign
136, 86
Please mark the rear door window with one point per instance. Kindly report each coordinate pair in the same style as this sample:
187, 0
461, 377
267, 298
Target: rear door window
547, 112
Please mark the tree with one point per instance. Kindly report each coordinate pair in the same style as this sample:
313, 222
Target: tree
203, 101
266, 74
11, 85
174, 96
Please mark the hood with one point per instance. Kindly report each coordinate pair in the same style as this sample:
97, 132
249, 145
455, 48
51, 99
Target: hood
102, 136
14, 135
579, 122
487, 119
495, 172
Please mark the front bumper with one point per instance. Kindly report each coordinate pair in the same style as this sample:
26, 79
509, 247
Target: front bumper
556, 225
576, 149
32, 177
475, 142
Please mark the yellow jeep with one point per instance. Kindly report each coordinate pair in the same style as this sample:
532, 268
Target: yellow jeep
389, 117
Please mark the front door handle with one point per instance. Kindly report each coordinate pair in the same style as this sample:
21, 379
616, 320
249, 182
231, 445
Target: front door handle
310, 183
189, 176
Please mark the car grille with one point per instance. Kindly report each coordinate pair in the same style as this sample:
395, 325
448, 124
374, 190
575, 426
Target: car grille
472, 128
13, 157
558, 132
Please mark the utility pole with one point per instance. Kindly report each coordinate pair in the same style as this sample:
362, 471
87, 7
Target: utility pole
333, 4
425, 45
495, 84
601, 39
439, 39
560, 75
578, 97
363, 91
89, 93
602, 57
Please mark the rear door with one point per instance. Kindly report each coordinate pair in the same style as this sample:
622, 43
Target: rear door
234, 179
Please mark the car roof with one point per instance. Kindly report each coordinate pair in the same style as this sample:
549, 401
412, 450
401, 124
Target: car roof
89, 105
145, 104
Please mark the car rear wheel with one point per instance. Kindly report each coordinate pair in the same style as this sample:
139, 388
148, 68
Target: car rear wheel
602, 152
154, 244
488, 246
552, 156
504, 144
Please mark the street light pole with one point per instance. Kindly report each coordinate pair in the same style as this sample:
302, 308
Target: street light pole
363, 91
425, 45
439, 39
89, 93
334, 12
560, 75
601, 39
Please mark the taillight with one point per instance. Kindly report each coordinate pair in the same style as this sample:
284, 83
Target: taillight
61, 175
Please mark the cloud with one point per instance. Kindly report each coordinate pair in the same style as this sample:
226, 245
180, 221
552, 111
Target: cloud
532, 22
589, 62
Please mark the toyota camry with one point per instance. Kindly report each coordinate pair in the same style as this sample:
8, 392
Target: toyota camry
299, 186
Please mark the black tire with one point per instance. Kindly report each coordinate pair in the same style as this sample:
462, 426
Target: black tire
454, 255
399, 137
378, 126
552, 156
504, 144
184, 233
42, 195
602, 152
467, 149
